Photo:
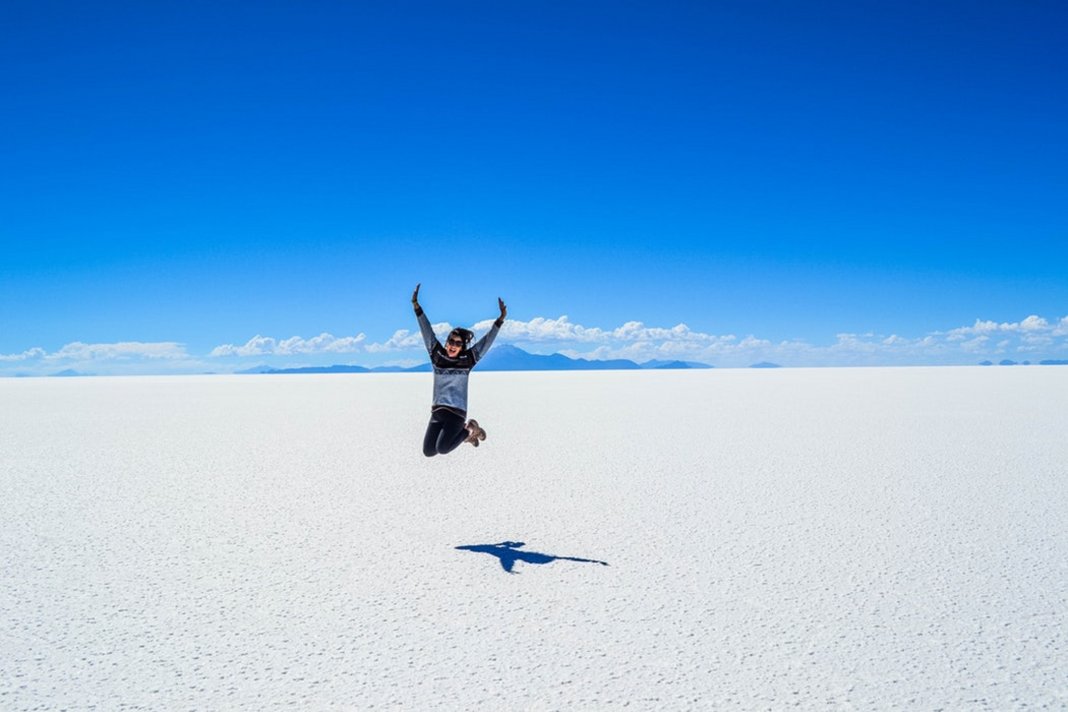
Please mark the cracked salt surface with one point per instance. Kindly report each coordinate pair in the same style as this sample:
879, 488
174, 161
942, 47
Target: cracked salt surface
847, 538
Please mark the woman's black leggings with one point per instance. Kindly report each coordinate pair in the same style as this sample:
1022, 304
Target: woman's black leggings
444, 433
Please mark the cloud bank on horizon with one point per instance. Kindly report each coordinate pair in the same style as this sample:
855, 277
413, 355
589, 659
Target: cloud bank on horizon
1033, 338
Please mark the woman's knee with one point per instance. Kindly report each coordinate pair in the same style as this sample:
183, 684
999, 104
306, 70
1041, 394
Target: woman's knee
430, 451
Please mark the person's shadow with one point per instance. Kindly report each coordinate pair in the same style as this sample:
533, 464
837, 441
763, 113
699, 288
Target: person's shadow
508, 553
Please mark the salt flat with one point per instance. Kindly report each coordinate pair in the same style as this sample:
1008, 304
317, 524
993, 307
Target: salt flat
826, 538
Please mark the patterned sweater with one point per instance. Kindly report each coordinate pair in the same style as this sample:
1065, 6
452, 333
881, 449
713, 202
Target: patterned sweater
451, 374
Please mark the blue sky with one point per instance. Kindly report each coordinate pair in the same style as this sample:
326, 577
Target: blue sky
816, 183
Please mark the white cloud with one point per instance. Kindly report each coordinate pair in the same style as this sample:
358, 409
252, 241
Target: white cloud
405, 340
855, 343
27, 355
118, 357
260, 345
323, 343
255, 346
541, 329
975, 345
980, 327
562, 329
124, 350
1033, 323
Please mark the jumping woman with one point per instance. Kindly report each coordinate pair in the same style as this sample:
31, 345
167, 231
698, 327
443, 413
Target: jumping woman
452, 364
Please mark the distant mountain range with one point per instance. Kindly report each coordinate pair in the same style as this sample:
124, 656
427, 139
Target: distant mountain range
504, 357
512, 358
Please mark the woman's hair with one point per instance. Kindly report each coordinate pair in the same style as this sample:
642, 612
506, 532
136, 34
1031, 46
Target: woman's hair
465, 334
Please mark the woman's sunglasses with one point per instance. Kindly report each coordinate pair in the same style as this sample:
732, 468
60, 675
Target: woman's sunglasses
455, 342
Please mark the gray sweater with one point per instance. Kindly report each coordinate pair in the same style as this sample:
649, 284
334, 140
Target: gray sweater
451, 374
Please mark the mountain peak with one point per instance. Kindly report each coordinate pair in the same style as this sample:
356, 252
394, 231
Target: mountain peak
508, 357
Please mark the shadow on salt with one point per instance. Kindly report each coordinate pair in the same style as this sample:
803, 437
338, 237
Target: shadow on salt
508, 552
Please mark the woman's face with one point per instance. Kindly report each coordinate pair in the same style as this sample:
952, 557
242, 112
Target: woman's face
453, 345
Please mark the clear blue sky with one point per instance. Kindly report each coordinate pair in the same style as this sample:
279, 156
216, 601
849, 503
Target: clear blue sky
204, 172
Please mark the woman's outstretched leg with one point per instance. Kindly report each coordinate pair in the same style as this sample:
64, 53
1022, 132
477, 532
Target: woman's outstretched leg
430, 440
445, 432
453, 434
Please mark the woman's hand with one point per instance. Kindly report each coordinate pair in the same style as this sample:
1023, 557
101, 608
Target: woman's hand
504, 309
415, 296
